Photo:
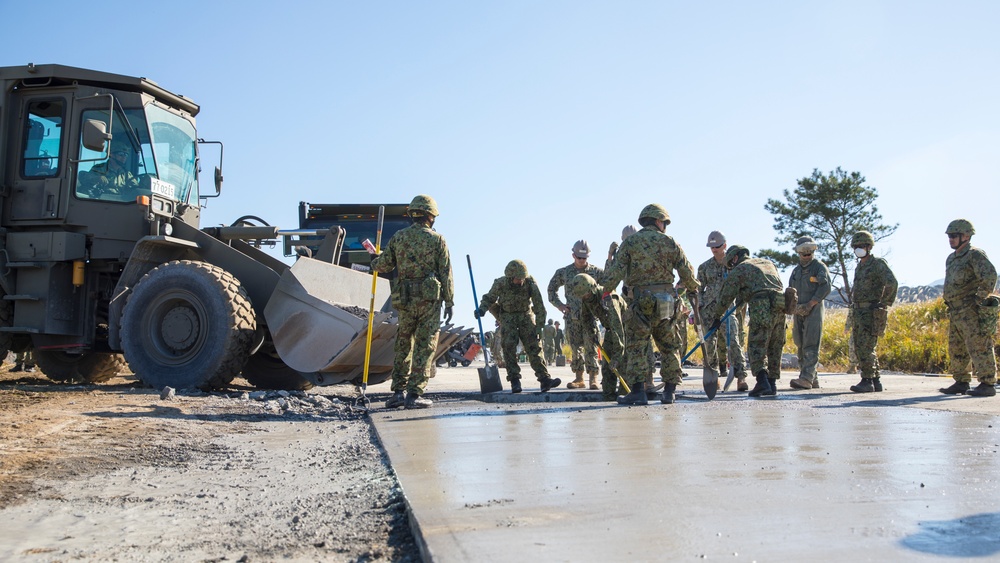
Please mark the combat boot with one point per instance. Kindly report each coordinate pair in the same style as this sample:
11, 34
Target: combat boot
957, 388
741, 383
773, 382
549, 383
669, 389
17, 367
515, 385
593, 382
865, 386
636, 397
762, 386
982, 390
577, 383
800, 383
651, 391
395, 401
877, 384
414, 401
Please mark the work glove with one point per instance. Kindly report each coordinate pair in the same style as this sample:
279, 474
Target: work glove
447, 314
479, 313
991, 301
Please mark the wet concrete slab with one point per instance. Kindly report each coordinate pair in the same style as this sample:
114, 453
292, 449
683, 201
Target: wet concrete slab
826, 474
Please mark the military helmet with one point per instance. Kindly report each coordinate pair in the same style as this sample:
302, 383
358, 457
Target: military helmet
628, 231
961, 227
805, 243
581, 286
655, 211
862, 238
423, 205
581, 249
735, 253
516, 269
715, 239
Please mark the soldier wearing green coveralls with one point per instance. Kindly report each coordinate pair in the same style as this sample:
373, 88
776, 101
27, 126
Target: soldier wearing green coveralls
756, 282
646, 262
811, 279
549, 343
969, 293
608, 309
522, 316
421, 257
874, 291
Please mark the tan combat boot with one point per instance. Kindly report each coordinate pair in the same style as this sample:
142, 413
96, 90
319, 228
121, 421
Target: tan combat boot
593, 382
577, 383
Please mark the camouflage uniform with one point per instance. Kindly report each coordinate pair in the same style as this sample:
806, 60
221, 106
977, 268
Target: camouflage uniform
969, 280
560, 340
873, 293
425, 280
549, 341
516, 303
609, 311
727, 341
646, 262
100, 179
496, 347
812, 282
581, 334
756, 282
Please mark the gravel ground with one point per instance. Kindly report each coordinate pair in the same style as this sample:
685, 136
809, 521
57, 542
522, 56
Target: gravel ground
114, 472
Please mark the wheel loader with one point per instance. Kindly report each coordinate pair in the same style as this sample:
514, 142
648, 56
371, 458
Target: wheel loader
103, 260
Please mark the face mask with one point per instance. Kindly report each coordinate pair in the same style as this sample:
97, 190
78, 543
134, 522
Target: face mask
860, 252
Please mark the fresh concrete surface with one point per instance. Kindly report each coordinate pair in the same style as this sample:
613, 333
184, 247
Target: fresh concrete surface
903, 475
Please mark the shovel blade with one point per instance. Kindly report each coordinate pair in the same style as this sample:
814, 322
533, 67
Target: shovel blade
710, 381
729, 379
489, 379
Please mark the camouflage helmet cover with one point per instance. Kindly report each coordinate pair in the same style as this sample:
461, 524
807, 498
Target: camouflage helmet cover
581, 249
960, 226
423, 205
628, 231
736, 252
862, 238
516, 269
655, 211
581, 286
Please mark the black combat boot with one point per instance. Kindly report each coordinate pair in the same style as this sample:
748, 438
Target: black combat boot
414, 401
865, 386
982, 390
636, 397
957, 388
773, 382
877, 384
549, 383
763, 386
668, 393
515, 385
395, 401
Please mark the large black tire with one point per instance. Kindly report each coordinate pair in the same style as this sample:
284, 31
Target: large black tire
187, 325
88, 366
265, 370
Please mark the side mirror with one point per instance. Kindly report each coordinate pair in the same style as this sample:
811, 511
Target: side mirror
95, 134
218, 180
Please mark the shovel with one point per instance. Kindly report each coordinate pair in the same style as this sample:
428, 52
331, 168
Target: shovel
489, 376
709, 375
729, 342
706, 376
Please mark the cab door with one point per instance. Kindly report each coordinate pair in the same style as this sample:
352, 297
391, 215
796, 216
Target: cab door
38, 176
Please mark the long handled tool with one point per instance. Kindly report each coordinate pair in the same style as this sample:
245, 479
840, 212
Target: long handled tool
731, 374
489, 376
709, 375
613, 370
707, 334
371, 309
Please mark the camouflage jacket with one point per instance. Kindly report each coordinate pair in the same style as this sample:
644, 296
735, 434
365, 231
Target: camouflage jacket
549, 335
560, 338
649, 257
752, 278
418, 253
969, 277
711, 274
874, 284
562, 277
524, 298
812, 281
609, 311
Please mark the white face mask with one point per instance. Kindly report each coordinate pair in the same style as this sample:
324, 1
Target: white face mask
860, 252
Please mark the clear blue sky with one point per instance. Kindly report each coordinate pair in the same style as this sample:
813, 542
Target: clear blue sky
535, 124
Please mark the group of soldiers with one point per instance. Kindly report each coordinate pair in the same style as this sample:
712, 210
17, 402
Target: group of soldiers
728, 290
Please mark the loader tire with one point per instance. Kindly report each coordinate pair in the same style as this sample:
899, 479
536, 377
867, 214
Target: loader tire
91, 367
187, 324
265, 370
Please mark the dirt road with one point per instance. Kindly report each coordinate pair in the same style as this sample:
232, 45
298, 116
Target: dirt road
113, 472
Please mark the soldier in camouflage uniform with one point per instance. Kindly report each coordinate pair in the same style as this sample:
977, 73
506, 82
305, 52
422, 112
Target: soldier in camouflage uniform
516, 295
646, 262
549, 343
560, 339
581, 335
811, 279
496, 346
727, 342
421, 257
756, 282
969, 293
628, 231
607, 309
873, 293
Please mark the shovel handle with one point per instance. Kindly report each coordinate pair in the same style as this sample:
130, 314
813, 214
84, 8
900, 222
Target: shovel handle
371, 304
482, 335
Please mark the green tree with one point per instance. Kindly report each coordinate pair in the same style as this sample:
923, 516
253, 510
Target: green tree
830, 209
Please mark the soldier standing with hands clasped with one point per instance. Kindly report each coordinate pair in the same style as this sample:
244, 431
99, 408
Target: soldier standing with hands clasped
811, 279
873, 293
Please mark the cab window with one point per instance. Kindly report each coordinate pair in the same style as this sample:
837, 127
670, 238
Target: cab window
42, 136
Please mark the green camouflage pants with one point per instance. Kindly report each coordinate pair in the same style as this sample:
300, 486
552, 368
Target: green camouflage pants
613, 357
867, 326
970, 343
581, 337
766, 336
416, 340
550, 351
665, 335
520, 327
806, 333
